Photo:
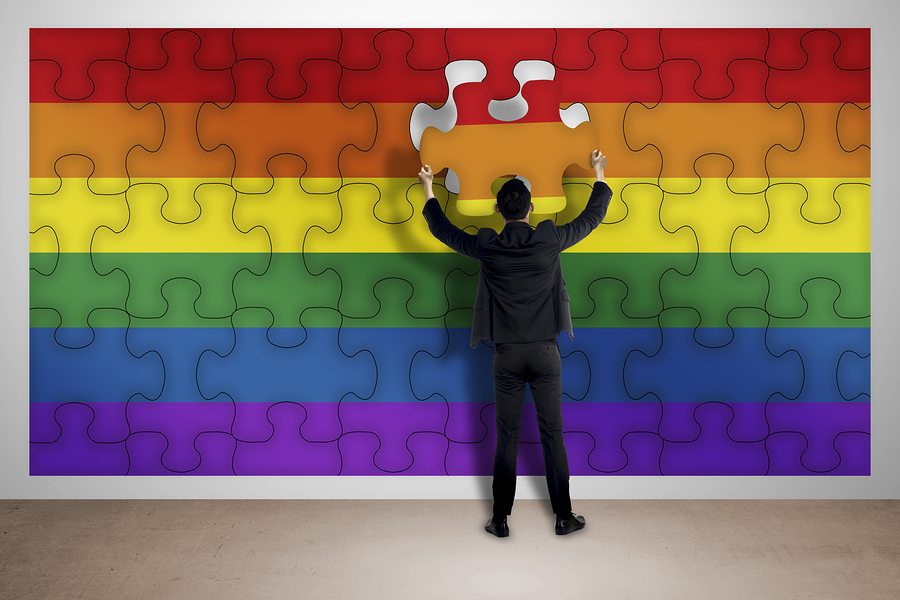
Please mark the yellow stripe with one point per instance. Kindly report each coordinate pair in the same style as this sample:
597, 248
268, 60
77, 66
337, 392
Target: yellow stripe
383, 215
812, 215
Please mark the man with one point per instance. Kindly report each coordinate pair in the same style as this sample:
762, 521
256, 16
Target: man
521, 306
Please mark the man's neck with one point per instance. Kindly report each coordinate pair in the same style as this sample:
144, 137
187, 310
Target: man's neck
525, 220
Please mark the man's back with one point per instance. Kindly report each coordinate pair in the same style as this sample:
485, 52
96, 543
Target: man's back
522, 274
521, 290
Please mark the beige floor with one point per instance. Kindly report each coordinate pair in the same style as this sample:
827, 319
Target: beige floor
223, 549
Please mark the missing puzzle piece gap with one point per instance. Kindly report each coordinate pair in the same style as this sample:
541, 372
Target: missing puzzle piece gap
444, 118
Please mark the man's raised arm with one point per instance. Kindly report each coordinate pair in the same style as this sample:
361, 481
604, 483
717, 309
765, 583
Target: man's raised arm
439, 224
595, 210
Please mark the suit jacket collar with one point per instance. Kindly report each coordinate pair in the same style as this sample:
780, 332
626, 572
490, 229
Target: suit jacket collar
517, 225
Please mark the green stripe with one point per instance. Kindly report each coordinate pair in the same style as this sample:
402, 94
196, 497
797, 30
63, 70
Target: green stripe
437, 289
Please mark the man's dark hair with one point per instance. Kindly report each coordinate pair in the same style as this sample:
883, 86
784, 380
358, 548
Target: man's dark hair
514, 200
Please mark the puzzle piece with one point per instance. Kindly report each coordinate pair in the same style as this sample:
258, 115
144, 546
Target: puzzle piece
477, 146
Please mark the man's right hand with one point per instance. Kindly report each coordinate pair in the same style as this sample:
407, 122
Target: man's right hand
598, 161
426, 177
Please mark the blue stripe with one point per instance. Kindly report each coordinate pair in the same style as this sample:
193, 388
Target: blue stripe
409, 365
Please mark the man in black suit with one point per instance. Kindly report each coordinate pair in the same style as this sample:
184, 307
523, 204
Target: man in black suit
522, 306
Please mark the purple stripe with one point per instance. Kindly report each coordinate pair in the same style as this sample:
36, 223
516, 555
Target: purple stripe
438, 438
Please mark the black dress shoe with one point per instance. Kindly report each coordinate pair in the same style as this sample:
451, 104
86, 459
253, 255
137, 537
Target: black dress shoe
498, 528
573, 523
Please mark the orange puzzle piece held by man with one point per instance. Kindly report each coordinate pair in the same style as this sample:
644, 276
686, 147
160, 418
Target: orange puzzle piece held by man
480, 148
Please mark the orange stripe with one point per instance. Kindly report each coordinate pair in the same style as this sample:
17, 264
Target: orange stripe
752, 136
373, 140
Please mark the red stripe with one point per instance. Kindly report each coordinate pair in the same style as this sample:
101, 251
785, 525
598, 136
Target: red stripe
357, 65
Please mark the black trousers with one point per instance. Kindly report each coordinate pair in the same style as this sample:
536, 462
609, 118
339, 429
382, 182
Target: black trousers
537, 364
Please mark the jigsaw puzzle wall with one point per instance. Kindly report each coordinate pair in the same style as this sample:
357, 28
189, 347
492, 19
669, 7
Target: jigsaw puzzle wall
230, 273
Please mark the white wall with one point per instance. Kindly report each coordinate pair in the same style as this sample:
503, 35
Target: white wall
883, 17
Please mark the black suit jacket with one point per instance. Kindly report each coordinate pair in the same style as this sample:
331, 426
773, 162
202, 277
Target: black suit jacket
521, 291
